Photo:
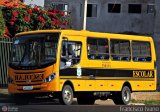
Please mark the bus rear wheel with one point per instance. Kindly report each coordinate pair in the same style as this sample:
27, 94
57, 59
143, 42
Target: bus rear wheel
66, 97
123, 97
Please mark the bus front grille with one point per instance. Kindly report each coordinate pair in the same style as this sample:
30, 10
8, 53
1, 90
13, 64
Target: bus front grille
32, 89
28, 84
30, 78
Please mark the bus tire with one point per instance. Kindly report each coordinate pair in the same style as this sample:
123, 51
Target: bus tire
66, 97
123, 97
85, 100
21, 99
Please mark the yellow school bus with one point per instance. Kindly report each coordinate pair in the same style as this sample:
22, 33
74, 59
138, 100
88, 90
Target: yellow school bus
86, 65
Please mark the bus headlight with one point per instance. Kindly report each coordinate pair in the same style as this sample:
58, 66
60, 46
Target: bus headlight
50, 78
10, 80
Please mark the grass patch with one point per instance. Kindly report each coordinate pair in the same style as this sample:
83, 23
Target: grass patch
152, 102
136, 101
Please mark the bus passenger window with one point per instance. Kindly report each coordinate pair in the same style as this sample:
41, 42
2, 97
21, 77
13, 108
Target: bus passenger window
98, 49
70, 53
120, 50
141, 51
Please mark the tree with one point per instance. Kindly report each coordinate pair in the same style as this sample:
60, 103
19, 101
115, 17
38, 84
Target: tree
33, 18
2, 24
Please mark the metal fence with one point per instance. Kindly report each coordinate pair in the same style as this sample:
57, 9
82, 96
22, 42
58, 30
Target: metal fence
5, 47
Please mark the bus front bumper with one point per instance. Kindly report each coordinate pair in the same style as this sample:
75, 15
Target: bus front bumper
46, 87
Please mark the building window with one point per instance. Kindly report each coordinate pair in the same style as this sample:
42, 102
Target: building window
134, 8
150, 8
91, 10
61, 6
114, 8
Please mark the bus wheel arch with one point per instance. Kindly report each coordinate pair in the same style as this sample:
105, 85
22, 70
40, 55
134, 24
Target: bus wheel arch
123, 97
68, 83
128, 85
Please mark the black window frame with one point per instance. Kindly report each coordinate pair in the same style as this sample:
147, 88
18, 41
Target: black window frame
61, 3
133, 8
142, 58
80, 42
150, 8
92, 15
112, 8
98, 57
120, 57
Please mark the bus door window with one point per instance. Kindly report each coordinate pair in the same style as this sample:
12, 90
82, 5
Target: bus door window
70, 53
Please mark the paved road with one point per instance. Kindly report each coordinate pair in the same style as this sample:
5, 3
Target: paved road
44, 105
53, 102
54, 106
61, 108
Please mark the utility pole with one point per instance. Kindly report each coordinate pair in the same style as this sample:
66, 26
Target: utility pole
85, 15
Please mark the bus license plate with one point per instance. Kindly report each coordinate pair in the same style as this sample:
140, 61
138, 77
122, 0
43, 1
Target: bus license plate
27, 87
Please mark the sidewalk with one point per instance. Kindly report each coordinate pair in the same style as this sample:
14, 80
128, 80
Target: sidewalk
146, 96
4, 91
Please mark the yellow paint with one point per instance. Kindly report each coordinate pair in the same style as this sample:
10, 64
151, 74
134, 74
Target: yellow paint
84, 83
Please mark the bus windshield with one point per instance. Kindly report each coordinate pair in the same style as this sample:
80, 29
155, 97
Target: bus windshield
34, 51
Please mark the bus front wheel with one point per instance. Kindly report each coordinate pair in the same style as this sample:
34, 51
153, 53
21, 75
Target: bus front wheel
66, 97
123, 97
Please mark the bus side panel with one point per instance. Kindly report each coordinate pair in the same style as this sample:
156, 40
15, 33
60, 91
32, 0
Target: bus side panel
78, 85
143, 85
154, 61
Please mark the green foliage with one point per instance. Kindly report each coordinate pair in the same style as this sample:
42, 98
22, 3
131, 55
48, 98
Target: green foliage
2, 24
152, 102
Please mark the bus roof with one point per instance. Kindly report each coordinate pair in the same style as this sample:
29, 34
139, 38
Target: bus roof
90, 34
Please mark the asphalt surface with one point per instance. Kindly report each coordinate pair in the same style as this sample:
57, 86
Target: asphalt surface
46, 105
46, 101
61, 108
54, 106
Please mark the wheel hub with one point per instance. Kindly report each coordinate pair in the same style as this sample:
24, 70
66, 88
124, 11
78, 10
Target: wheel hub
126, 95
67, 95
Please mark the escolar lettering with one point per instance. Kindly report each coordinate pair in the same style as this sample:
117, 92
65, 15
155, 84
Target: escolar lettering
143, 74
